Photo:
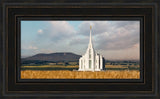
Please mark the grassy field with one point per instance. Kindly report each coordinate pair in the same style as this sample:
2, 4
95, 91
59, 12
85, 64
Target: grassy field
66, 72
70, 67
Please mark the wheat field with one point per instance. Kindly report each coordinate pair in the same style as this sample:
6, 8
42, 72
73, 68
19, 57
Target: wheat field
66, 74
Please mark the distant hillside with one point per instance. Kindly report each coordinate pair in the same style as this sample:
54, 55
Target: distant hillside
56, 57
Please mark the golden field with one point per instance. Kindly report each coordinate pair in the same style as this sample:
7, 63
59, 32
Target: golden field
66, 74
76, 66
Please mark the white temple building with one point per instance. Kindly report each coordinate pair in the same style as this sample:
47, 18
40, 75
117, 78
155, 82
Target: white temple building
91, 61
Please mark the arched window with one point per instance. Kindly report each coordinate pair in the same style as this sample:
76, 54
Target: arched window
99, 62
89, 53
90, 62
81, 64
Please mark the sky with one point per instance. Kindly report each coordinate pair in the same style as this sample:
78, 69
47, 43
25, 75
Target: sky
114, 40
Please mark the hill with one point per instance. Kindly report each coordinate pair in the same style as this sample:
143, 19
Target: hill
55, 57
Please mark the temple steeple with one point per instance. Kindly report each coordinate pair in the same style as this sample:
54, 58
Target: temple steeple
90, 39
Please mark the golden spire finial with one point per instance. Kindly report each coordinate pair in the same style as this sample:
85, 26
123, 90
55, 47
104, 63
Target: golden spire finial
90, 27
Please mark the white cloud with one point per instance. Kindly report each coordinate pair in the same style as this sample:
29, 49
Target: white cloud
61, 27
29, 47
40, 31
58, 31
110, 35
136, 45
98, 27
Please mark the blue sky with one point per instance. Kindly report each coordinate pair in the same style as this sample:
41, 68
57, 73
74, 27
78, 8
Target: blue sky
115, 40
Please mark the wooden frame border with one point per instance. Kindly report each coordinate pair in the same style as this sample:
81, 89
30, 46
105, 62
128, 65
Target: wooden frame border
155, 68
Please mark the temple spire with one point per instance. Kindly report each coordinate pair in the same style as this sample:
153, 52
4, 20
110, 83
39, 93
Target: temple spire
90, 40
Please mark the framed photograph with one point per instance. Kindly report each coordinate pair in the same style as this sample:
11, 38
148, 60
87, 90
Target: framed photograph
60, 56
77, 50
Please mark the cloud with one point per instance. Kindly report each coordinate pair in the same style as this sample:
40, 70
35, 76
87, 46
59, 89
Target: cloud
98, 27
123, 37
29, 47
109, 35
79, 41
58, 31
136, 45
40, 31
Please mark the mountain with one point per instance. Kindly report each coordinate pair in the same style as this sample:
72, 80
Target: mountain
56, 57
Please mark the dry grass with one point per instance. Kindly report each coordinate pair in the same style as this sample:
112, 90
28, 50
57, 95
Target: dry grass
76, 66
64, 74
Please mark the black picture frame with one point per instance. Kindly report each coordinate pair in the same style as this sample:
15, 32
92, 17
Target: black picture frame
13, 12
